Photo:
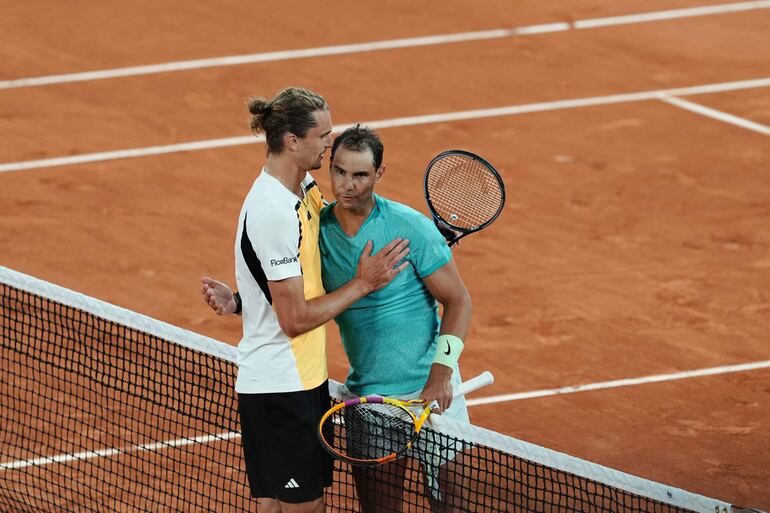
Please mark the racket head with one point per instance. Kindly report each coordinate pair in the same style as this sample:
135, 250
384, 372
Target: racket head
370, 431
464, 192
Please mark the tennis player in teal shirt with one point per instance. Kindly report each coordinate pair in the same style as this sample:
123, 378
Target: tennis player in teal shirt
394, 340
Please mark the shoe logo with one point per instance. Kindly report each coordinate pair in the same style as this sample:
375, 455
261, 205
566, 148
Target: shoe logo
291, 484
448, 349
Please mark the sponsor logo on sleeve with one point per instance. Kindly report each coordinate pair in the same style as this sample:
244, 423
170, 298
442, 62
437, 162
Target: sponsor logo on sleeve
284, 260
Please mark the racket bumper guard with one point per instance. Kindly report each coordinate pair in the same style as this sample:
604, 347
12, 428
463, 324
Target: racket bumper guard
354, 401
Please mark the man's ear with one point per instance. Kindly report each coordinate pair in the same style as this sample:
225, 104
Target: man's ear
290, 141
379, 173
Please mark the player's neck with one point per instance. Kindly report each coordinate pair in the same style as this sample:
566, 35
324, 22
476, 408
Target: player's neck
286, 171
351, 220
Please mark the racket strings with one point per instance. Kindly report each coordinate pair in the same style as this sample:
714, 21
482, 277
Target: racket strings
369, 431
463, 192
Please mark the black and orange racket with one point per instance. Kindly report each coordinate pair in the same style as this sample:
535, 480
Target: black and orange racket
373, 430
465, 193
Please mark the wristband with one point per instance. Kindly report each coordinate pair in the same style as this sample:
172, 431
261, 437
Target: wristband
448, 349
238, 303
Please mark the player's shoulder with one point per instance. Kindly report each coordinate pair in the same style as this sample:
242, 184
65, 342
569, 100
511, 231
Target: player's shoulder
396, 209
269, 200
265, 187
404, 215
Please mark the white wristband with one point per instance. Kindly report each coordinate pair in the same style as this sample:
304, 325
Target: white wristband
448, 349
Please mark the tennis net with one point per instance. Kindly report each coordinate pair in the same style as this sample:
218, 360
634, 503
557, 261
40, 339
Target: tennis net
104, 409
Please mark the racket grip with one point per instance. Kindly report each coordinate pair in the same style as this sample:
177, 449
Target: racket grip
482, 380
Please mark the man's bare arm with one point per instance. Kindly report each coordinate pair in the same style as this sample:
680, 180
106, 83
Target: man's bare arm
296, 315
448, 288
446, 285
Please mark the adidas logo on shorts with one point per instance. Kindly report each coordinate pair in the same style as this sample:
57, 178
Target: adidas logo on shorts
291, 484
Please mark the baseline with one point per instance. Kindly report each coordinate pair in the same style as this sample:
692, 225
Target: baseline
235, 60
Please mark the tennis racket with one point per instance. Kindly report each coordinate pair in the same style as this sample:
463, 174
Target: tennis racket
373, 430
465, 193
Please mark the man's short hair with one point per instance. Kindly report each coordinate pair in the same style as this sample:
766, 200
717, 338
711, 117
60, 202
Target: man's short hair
360, 138
291, 111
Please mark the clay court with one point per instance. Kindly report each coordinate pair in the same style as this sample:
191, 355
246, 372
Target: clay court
635, 240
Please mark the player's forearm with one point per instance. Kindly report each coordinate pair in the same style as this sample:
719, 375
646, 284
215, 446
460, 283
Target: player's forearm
457, 316
322, 309
449, 344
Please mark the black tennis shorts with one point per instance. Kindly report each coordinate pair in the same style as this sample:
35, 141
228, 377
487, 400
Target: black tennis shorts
284, 459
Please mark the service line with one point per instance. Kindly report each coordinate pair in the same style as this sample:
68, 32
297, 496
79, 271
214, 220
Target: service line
511, 110
658, 378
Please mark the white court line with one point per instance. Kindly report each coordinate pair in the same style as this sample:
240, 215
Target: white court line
391, 44
511, 110
131, 153
687, 12
620, 383
106, 453
715, 114
323, 51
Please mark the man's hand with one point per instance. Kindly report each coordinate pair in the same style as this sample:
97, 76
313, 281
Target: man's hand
218, 296
376, 271
439, 387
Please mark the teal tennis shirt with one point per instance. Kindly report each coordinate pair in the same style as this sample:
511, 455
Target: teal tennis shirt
389, 335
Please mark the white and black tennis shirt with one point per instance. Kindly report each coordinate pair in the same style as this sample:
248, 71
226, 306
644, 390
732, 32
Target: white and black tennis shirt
277, 239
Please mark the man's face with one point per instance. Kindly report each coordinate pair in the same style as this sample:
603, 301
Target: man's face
315, 143
353, 177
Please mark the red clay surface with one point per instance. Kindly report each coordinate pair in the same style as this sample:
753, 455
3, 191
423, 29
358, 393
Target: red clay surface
635, 239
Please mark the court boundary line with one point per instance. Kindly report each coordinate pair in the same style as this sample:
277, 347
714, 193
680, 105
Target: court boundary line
390, 44
656, 378
718, 115
465, 115
119, 451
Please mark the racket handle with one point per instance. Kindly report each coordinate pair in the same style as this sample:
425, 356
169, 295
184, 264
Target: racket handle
482, 380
